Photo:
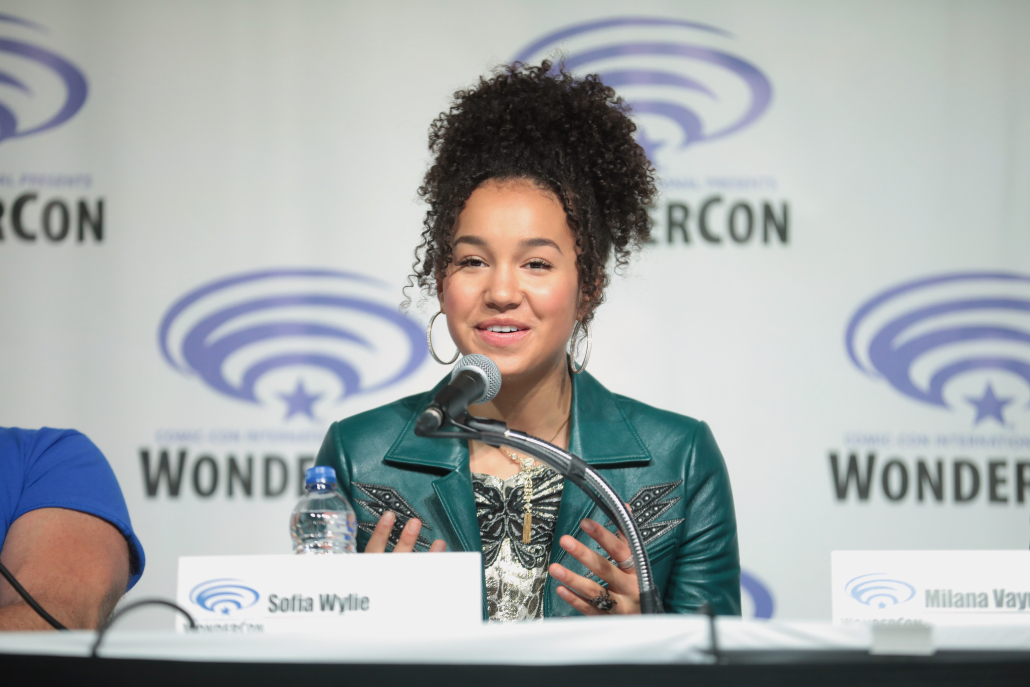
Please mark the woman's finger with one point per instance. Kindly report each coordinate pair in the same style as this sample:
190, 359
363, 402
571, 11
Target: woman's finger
581, 605
438, 546
381, 533
616, 546
409, 535
578, 589
598, 565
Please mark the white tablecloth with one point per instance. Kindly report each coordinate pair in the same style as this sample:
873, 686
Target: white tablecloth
597, 641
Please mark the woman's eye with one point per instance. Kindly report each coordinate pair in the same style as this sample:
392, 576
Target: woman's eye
538, 264
471, 262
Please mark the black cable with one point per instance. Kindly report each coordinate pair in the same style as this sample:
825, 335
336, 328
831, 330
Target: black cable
706, 609
33, 604
131, 607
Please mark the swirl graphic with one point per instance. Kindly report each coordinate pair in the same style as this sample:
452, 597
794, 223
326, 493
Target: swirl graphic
235, 331
72, 78
648, 61
922, 334
223, 596
760, 595
876, 590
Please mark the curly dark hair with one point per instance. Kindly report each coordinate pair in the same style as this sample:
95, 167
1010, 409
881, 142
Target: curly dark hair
568, 135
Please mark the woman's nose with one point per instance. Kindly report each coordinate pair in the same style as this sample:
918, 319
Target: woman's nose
503, 290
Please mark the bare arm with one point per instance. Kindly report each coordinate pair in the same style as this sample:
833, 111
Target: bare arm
74, 564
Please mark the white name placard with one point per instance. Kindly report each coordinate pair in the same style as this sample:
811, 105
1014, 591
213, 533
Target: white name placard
932, 587
294, 593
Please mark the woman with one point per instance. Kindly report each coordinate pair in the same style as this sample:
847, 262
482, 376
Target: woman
536, 186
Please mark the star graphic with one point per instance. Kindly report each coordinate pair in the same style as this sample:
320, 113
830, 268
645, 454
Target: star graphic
300, 401
649, 145
989, 405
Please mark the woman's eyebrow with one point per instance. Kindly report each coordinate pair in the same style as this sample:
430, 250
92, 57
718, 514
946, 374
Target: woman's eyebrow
539, 242
524, 243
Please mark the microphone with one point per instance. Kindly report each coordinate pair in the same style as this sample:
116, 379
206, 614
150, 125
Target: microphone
475, 379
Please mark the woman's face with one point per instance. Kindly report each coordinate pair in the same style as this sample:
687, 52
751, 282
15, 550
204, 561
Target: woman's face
512, 290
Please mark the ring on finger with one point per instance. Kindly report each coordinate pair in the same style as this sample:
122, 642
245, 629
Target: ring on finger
627, 564
603, 603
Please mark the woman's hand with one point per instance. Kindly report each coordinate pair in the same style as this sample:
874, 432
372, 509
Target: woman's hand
405, 543
577, 591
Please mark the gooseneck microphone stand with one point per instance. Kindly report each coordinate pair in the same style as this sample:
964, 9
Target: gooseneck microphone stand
573, 468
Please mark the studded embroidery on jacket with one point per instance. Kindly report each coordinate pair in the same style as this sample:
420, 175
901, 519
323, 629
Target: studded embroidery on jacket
647, 506
385, 498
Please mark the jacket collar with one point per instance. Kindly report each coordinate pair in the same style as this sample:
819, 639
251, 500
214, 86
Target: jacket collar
600, 432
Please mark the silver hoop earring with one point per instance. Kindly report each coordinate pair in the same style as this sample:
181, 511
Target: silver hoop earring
429, 340
574, 343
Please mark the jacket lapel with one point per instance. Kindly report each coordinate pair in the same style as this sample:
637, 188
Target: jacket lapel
454, 489
600, 434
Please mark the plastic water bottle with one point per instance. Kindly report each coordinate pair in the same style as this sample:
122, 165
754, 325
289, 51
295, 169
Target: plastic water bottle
323, 521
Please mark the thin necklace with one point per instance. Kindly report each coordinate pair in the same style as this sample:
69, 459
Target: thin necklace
525, 464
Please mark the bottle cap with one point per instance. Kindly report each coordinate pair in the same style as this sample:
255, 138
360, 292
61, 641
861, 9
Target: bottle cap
320, 473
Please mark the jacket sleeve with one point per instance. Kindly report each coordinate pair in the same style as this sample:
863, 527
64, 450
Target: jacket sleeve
707, 564
332, 454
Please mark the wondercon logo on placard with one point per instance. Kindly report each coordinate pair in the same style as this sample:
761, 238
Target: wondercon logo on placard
295, 337
877, 591
682, 91
39, 90
958, 340
223, 596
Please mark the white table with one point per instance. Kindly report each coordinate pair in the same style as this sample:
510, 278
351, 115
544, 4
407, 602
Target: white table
607, 646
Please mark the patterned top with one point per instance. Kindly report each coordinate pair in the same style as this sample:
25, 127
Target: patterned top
516, 572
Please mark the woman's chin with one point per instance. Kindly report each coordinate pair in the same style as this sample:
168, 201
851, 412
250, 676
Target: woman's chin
517, 360
524, 367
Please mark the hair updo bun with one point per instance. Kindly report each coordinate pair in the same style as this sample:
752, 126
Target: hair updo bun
568, 135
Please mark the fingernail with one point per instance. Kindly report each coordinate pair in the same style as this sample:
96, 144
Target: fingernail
567, 544
558, 573
389, 516
412, 525
589, 526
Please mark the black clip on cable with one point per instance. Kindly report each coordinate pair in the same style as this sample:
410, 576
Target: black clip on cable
572, 467
131, 607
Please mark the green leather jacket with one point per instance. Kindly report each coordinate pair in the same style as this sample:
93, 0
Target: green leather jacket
666, 466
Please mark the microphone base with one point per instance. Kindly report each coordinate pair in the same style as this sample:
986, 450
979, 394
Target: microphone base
651, 602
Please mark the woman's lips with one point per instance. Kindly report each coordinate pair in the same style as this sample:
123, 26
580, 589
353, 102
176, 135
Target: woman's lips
499, 339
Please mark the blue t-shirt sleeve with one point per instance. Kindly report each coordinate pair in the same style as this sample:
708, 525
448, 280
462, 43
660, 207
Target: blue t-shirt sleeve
64, 469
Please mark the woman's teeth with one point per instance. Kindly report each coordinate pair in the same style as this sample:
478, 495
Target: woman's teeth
502, 330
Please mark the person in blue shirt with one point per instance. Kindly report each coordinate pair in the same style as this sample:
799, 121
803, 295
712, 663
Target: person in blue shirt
65, 532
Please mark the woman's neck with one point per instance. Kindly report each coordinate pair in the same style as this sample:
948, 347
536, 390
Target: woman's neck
536, 404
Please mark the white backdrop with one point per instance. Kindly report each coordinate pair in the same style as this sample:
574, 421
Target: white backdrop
272, 150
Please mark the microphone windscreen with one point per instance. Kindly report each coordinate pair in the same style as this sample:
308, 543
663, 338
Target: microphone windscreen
487, 369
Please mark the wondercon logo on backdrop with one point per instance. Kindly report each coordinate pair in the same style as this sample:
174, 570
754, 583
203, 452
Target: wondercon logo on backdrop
292, 337
223, 596
951, 340
682, 91
39, 90
877, 591
761, 597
